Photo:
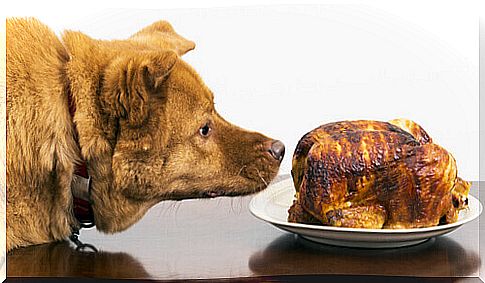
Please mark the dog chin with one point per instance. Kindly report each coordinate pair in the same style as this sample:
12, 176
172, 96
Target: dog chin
230, 187
251, 187
247, 187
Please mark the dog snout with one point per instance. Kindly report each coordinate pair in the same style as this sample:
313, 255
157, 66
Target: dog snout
277, 150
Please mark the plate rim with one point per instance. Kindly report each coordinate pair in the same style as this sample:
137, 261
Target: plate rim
280, 186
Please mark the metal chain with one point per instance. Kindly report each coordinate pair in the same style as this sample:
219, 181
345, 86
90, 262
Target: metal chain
80, 246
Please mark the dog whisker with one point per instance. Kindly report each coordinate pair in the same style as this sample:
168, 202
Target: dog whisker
240, 170
236, 207
177, 206
167, 208
239, 206
264, 181
161, 213
232, 205
173, 207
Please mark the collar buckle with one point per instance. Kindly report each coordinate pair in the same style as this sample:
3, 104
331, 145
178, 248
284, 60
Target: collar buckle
83, 211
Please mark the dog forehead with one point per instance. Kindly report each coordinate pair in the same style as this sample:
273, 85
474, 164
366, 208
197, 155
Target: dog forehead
185, 79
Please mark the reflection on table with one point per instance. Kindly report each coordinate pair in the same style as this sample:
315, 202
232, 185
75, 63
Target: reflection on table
442, 257
219, 238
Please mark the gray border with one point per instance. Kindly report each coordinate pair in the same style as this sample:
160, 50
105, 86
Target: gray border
481, 140
481, 95
481, 77
3, 150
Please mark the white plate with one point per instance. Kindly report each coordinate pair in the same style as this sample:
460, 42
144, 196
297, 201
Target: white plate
272, 204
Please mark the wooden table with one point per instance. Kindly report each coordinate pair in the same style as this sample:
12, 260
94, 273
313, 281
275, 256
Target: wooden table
219, 238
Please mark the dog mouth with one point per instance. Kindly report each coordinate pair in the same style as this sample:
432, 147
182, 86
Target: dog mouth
223, 193
241, 186
227, 192
213, 193
249, 179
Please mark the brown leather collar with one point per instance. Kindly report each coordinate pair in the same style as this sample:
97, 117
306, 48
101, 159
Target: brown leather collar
83, 210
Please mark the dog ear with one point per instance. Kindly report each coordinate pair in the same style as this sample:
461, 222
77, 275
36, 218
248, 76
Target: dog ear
141, 77
162, 35
156, 68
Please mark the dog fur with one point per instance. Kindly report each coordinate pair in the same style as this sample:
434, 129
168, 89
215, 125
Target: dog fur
146, 123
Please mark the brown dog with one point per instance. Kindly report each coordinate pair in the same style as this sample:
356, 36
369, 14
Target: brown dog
144, 123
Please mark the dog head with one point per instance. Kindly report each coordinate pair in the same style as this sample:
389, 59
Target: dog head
170, 143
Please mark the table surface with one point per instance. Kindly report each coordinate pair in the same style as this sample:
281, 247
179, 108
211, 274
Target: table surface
219, 238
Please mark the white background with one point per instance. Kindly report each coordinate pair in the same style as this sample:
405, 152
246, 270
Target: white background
285, 69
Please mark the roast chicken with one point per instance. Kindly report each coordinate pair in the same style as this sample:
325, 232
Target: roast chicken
370, 174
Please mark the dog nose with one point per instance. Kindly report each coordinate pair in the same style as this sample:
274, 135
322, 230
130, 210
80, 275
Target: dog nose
277, 150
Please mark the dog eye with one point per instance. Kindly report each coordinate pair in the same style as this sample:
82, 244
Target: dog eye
205, 130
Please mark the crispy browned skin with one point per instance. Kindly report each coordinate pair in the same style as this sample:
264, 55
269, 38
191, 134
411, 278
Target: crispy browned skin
371, 174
